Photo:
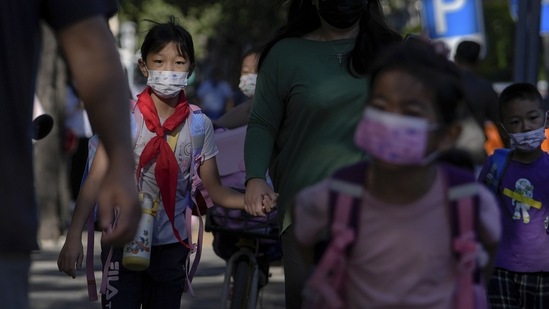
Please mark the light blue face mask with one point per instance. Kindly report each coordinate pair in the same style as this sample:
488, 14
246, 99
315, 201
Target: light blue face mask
167, 84
528, 141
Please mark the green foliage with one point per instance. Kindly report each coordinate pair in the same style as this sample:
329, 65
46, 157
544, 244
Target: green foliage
500, 37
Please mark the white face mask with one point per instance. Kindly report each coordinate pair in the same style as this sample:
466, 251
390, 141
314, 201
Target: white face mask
247, 84
167, 84
528, 141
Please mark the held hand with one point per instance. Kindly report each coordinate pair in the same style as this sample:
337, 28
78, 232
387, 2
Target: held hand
119, 195
70, 258
257, 190
268, 203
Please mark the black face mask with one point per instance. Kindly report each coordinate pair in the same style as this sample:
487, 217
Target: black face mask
341, 14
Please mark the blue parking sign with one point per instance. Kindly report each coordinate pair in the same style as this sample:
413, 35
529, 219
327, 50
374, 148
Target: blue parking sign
452, 18
544, 24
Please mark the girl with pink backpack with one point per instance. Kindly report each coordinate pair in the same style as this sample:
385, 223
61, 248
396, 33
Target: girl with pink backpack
401, 230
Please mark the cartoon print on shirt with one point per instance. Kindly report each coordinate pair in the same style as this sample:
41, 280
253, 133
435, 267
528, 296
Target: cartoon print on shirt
524, 188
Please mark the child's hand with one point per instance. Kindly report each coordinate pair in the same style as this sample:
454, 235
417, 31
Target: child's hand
70, 258
268, 203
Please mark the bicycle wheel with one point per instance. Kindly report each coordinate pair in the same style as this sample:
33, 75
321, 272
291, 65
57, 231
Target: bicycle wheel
241, 284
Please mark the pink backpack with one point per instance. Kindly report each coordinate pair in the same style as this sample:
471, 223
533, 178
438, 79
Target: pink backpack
324, 288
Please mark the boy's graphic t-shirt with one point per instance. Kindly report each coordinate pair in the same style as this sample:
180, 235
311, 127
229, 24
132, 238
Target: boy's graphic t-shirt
402, 255
524, 198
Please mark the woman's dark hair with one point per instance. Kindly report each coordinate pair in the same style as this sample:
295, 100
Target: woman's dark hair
373, 36
439, 75
161, 34
519, 91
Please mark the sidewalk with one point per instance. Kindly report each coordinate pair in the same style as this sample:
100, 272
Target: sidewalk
51, 289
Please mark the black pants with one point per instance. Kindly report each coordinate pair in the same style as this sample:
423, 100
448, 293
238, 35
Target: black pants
160, 286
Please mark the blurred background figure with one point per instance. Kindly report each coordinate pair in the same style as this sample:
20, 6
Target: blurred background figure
215, 95
238, 116
480, 115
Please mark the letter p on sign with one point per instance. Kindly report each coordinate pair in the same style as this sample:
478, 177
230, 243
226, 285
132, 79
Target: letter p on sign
452, 18
443, 8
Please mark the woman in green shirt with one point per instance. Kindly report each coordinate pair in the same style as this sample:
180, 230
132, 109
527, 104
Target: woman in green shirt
310, 94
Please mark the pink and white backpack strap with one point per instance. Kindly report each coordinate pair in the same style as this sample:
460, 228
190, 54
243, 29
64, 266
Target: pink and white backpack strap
90, 275
197, 132
93, 143
466, 245
329, 275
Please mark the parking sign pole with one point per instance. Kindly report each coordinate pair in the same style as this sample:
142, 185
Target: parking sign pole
527, 41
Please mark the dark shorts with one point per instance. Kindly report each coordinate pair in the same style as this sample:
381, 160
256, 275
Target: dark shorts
160, 286
508, 289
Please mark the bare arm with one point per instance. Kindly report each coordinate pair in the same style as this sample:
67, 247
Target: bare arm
94, 61
220, 195
71, 254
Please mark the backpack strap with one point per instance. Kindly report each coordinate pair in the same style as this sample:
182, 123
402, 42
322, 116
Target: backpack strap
346, 189
137, 121
197, 132
499, 159
93, 143
463, 201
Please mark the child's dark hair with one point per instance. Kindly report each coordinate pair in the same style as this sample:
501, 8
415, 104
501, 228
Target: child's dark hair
519, 91
161, 34
439, 75
253, 50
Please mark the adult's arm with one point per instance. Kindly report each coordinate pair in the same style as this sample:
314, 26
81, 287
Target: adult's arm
95, 65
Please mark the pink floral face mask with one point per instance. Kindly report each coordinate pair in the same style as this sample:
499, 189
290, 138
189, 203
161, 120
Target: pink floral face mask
394, 138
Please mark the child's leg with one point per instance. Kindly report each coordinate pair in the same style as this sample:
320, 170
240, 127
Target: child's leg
165, 277
124, 287
503, 290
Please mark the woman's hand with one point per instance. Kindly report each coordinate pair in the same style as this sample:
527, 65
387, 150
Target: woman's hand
258, 192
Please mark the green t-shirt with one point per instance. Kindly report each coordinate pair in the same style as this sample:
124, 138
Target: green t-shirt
305, 110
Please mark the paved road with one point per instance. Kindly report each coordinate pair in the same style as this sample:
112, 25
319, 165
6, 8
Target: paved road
50, 289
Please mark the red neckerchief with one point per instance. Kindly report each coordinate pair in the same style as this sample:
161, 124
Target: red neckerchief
167, 169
